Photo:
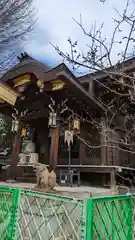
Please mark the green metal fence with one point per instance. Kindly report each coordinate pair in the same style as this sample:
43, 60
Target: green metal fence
9, 201
110, 218
49, 217
35, 216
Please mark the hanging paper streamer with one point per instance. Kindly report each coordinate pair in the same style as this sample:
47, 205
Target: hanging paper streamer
68, 137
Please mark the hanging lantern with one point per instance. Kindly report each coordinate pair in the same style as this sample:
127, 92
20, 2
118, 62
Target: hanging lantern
15, 126
76, 124
52, 119
68, 137
24, 132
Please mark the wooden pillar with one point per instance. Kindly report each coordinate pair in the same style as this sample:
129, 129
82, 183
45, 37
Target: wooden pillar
113, 148
103, 144
109, 149
113, 178
12, 170
16, 143
113, 186
53, 159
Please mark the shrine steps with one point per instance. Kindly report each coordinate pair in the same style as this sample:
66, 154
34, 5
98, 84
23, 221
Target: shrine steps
27, 174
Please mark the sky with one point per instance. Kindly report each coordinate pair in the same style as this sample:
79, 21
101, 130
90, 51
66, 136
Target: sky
55, 24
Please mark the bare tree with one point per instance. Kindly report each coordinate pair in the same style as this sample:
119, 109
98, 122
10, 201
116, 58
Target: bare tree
116, 89
16, 20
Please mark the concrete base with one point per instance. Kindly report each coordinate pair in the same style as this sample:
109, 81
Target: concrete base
11, 181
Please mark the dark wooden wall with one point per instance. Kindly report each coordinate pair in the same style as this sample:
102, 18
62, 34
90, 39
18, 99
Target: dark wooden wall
42, 140
105, 155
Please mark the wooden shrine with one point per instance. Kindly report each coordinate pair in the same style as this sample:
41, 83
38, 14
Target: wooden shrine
45, 104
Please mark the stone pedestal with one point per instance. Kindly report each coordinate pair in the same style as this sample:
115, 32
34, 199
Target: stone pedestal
28, 159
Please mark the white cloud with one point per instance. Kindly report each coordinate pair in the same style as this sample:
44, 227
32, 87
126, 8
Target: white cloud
55, 24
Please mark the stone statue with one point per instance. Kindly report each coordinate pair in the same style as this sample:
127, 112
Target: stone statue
46, 177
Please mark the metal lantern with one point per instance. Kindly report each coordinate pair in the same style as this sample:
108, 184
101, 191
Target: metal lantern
24, 132
15, 126
76, 124
52, 119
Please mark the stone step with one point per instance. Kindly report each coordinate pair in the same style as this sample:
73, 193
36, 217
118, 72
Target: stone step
27, 175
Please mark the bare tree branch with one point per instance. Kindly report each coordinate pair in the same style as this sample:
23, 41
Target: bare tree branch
17, 18
116, 89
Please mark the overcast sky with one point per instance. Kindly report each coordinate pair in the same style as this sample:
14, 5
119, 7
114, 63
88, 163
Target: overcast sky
55, 24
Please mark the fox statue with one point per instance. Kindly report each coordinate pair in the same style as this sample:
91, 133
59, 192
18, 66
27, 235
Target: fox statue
46, 177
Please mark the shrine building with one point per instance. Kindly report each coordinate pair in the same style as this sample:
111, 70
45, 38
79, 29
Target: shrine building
56, 120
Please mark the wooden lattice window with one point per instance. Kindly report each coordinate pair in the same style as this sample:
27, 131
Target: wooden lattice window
93, 139
91, 152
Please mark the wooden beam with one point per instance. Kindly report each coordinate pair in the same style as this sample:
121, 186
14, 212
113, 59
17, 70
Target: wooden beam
7, 94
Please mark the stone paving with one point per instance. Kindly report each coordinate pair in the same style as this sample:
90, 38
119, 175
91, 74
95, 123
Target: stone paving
80, 192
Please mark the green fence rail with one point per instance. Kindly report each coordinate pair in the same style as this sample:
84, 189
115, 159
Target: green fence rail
110, 218
35, 216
